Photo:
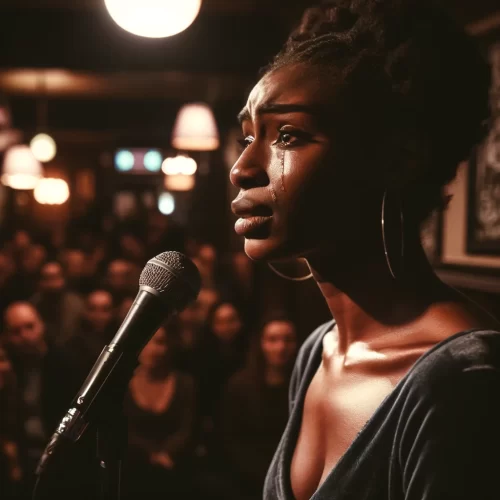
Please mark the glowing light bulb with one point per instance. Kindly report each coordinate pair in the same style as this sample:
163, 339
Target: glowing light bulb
43, 147
153, 18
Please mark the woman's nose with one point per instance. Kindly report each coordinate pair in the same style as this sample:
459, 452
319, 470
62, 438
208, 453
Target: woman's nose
247, 174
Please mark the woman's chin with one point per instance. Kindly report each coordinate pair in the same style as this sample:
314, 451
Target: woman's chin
264, 250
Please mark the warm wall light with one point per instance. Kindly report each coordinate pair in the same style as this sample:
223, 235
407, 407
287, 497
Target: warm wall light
195, 129
43, 147
21, 170
153, 18
51, 191
181, 164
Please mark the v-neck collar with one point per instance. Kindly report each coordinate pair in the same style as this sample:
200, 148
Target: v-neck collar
294, 423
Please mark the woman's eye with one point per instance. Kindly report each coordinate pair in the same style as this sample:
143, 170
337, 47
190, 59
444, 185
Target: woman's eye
246, 141
288, 138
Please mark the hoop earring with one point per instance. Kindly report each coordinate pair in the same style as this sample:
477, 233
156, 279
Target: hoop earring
384, 241
290, 278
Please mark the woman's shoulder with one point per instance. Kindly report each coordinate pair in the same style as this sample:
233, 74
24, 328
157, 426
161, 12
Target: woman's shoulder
456, 360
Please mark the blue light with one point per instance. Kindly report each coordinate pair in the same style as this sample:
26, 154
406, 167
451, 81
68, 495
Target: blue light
153, 160
166, 203
124, 160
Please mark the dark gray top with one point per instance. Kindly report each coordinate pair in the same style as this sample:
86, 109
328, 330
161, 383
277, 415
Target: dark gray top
436, 436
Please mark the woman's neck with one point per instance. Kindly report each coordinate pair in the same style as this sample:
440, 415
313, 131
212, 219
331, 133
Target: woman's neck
366, 301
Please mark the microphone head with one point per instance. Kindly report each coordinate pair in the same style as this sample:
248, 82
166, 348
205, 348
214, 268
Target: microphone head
172, 277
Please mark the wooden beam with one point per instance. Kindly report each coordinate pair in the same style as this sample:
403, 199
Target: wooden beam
168, 85
484, 26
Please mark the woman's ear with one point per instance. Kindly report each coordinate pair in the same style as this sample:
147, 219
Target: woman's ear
410, 158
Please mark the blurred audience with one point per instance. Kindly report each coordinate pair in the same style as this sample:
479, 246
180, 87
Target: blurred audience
198, 400
161, 407
122, 278
11, 472
60, 308
97, 328
44, 382
254, 410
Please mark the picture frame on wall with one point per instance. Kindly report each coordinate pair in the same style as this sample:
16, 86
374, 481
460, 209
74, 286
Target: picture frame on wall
483, 228
483, 214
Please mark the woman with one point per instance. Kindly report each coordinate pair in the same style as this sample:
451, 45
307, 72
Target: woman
97, 328
222, 354
160, 406
255, 410
350, 138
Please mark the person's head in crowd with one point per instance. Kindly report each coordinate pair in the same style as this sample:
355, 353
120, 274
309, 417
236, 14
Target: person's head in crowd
24, 331
120, 276
52, 281
278, 344
159, 353
33, 259
272, 352
21, 241
99, 311
131, 246
124, 307
74, 262
225, 322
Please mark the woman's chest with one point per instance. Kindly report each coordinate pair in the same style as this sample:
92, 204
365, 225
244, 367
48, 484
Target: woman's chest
337, 406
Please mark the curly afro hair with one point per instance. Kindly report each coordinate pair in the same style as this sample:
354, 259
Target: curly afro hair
408, 65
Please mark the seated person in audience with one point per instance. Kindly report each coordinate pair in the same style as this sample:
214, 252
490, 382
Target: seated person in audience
223, 351
97, 328
121, 279
254, 411
78, 269
10, 466
160, 407
60, 308
45, 382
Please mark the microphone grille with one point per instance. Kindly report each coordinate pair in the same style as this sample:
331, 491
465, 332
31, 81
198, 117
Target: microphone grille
173, 276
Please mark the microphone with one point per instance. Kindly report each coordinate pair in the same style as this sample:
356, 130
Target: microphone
167, 284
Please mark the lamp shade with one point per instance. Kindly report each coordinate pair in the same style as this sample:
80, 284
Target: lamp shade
21, 170
195, 129
153, 18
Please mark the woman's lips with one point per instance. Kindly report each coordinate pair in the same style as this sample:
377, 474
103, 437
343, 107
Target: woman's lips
252, 226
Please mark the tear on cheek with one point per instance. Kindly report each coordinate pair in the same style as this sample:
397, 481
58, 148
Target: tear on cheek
283, 170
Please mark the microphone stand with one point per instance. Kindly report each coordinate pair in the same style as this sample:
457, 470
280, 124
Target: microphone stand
112, 437
111, 449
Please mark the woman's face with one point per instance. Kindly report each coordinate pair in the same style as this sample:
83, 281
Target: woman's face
226, 323
99, 310
279, 344
155, 353
293, 196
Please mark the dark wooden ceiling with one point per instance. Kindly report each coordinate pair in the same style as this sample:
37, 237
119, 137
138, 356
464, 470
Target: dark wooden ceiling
98, 76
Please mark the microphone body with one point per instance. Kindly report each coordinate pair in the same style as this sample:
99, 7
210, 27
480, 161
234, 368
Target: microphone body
107, 381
